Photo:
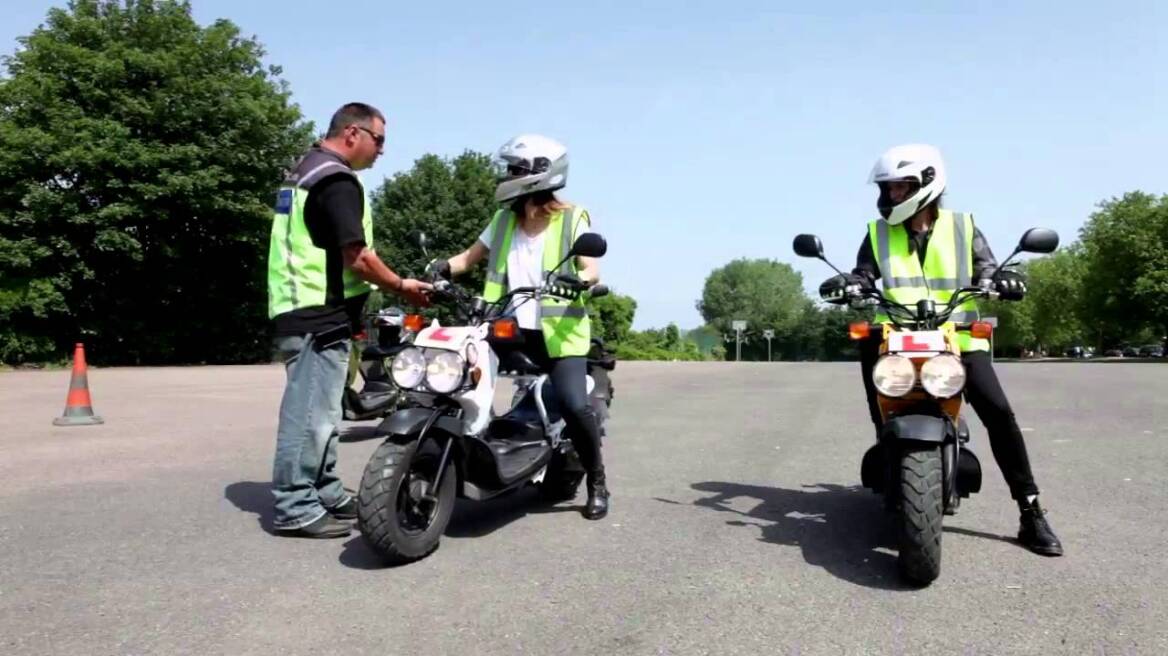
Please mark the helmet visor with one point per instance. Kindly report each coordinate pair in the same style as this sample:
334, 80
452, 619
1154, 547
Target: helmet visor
905, 189
510, 168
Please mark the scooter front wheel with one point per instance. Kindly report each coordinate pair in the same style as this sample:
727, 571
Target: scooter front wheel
400, 514
920, 517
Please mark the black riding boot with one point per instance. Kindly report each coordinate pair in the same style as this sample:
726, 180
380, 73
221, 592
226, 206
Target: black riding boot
597, 506
1035, 532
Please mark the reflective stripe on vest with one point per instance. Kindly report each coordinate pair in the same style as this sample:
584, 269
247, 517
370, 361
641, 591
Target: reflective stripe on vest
497, 257
565, 324
297, 269
946, 268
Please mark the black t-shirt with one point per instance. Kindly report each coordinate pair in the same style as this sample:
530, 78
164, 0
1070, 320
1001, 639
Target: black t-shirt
332, 214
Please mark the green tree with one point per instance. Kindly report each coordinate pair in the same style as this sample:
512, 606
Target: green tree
708, 342
450, 200
671, 337
658, 344
1015, 325
1054, 294
835, 342
764, 293
139, 155
612, 317
1125, 272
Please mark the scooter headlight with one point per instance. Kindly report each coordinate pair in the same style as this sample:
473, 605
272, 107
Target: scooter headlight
943, 376
409, 368
444, 371
894, 375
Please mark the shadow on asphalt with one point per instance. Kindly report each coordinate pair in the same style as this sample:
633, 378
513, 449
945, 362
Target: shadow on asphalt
475, 519
357, 555
842, 529
253, 497
987, 536
471, 519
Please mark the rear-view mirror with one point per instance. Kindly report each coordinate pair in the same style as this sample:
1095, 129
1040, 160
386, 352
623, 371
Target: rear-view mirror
808, 246
589, 244
1039, 240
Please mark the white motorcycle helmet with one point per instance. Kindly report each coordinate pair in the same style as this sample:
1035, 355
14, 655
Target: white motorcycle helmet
527, 164
915, 162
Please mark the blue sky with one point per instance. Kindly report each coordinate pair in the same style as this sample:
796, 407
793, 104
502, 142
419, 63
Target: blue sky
713, 131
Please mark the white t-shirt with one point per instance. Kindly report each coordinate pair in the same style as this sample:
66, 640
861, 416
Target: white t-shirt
525, 269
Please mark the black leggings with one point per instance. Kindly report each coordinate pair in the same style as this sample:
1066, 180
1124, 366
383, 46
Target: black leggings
984, 393
569, 377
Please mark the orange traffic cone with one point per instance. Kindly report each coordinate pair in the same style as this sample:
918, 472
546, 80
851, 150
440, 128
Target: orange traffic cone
78, 408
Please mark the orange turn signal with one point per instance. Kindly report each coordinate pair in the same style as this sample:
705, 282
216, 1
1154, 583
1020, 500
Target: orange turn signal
981, 330
414, 322
859, 330
476, 375
504, 329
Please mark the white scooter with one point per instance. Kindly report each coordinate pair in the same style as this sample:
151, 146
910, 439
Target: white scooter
448, 442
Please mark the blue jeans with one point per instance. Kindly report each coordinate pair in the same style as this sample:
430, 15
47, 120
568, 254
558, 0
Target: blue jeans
304, 480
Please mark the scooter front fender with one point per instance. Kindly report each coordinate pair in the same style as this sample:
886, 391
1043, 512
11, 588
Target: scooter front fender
416, 421
917, 428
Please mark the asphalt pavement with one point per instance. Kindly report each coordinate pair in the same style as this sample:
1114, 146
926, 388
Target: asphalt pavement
737, 527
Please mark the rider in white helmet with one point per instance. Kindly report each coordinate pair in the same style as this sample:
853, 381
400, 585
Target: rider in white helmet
912, 182
918, 174
528, 164
530, 168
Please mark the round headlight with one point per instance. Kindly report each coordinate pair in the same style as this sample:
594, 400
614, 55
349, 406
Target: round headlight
444, 370
409, 368
894, 375
943, 376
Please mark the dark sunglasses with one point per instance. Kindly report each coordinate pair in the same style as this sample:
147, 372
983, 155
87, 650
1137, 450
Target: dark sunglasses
378, 139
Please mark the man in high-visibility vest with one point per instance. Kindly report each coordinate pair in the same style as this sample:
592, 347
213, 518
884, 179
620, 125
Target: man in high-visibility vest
320, 266
920, 250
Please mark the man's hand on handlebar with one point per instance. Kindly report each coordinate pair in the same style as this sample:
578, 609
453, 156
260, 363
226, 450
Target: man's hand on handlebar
415, 292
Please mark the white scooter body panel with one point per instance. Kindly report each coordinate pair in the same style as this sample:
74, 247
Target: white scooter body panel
476, 402
447, 338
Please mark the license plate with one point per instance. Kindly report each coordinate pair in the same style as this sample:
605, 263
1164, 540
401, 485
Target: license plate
923, 341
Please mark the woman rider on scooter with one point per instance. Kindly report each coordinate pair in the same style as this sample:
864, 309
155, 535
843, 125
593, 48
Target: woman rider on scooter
530, 169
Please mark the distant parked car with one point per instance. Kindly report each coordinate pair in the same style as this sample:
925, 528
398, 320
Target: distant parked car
1131, 352
1152, 351
1114, 353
